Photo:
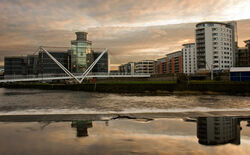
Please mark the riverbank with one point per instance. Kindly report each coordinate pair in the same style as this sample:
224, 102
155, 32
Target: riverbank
113, 116
146, 87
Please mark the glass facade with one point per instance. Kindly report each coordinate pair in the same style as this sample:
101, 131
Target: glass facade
82, 56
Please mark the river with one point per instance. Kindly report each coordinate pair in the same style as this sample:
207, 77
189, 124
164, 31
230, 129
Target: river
33, 101
36, 121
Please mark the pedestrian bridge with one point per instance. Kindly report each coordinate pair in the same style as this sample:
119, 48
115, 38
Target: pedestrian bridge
78, 77
68, 75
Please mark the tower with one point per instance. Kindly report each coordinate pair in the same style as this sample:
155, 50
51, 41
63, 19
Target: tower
81, 56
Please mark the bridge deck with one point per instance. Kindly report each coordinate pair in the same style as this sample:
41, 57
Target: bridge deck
67, 77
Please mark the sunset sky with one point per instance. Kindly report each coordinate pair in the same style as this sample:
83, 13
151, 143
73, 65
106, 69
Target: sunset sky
131, 29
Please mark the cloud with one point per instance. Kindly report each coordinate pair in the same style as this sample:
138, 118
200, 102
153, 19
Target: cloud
132, 30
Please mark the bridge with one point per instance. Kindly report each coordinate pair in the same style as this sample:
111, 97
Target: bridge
78, 78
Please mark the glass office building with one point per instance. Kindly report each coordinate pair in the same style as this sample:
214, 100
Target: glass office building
82, 55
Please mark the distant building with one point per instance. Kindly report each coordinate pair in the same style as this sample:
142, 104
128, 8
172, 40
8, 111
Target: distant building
81, 56
171, 64
76, 60
121, 69
144, 67
102, 66
47, 66
215, 45
174, 62
218, 130
189, 58
128, 68
32, 65
243, 55
161, 66
240, 74
15, 65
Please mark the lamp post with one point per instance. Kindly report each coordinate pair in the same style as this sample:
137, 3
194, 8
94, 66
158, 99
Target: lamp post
211, 70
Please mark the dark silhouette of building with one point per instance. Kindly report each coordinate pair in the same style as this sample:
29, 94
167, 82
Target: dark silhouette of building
81, 127
47, 66
15, 65
102, 65
243, 55
32, 65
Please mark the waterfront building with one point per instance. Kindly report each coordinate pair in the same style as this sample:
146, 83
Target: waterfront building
81, 56
32, 65
47, 66
128, 68
161, 66
215, 45
102, 66
189, 58
15, 65
121, 69
218, 130
243, 55
144, 67
240, 74
174, 62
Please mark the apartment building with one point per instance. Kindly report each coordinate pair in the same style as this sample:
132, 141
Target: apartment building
189, 58
215, 45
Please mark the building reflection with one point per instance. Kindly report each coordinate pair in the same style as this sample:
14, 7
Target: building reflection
81, 127
218, 130
248, 123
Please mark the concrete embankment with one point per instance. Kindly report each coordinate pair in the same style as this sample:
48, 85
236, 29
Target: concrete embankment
98, 117
231, 88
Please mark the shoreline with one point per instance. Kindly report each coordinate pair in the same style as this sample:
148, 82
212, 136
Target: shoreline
147, 88
112, 116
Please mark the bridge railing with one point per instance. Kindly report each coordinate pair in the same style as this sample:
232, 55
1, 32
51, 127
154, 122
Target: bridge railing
6, 77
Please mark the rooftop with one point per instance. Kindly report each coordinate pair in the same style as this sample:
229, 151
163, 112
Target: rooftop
240, 69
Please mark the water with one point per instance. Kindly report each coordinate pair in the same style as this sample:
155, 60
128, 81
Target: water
160, 136
28, 101
22, 131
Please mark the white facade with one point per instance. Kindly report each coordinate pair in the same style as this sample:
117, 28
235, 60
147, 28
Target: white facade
144, 66
215, 44
189, 58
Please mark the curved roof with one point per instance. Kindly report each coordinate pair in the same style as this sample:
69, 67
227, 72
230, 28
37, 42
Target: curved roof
212, 22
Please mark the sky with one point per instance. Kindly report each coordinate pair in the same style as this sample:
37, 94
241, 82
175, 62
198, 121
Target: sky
132, 30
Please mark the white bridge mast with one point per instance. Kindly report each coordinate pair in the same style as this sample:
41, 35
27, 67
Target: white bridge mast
83, 76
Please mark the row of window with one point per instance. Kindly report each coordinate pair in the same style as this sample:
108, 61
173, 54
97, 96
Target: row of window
222, 29
216, 61
223, 48
222, 39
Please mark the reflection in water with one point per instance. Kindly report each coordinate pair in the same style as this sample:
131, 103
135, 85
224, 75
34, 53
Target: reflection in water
81, 127
125, 136
218, 130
